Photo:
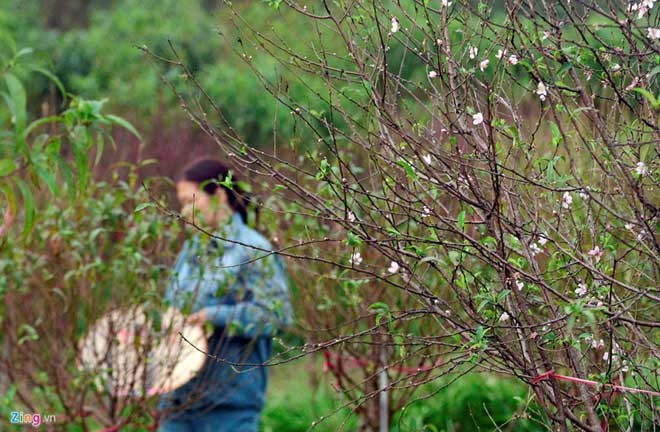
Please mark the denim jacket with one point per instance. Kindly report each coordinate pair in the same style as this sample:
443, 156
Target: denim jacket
244, 290
241, 284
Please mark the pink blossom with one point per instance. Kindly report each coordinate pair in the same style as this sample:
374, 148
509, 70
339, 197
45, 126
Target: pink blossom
596, 252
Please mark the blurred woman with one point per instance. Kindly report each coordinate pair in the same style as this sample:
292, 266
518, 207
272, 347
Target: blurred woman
233, 283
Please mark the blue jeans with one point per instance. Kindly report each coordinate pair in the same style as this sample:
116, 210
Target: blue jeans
215, 421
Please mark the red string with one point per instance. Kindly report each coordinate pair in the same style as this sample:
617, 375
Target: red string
622, 389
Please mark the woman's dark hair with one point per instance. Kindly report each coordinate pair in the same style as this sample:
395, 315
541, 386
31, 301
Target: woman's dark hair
209, 172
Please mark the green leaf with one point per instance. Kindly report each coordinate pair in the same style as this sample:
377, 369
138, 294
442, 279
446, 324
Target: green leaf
18, 101
10, 196
79, 147
53, 78
564, 68
7, 166
410, 170
28, 201
100, 144
35, 124
49, 178
653, 101
67, 174
367, 86
461, 220
28, 333
23, 52
556, 134
124, 123
382, 311
143, 206
353, 240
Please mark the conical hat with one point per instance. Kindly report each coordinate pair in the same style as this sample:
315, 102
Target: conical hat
131, 352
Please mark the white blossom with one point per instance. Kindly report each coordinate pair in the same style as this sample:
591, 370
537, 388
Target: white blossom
483, 64
500, 52
445, 3
583, 195
394, 267
535, 249
541, 90
513, 59
542, 241
581, 289
598, 344
641, 169
356, 259
504, 317
519, 285
566, 200
395, 25
615, 67
477, 119
653, 33
473, 52
629, 226
427, 159
351, 216
433, 74
546, 34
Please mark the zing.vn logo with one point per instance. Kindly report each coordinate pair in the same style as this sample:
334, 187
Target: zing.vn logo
31, 419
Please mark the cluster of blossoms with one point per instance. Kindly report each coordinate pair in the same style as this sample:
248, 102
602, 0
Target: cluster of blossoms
541, 90
641, 169
566, 200
641, 8
581, 290
426, 212
617, 353
595, 344
535, 247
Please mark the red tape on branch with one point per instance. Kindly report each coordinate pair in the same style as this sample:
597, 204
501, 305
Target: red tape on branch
622, 389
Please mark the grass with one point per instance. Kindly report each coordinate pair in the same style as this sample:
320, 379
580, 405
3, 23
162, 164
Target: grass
300, 394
